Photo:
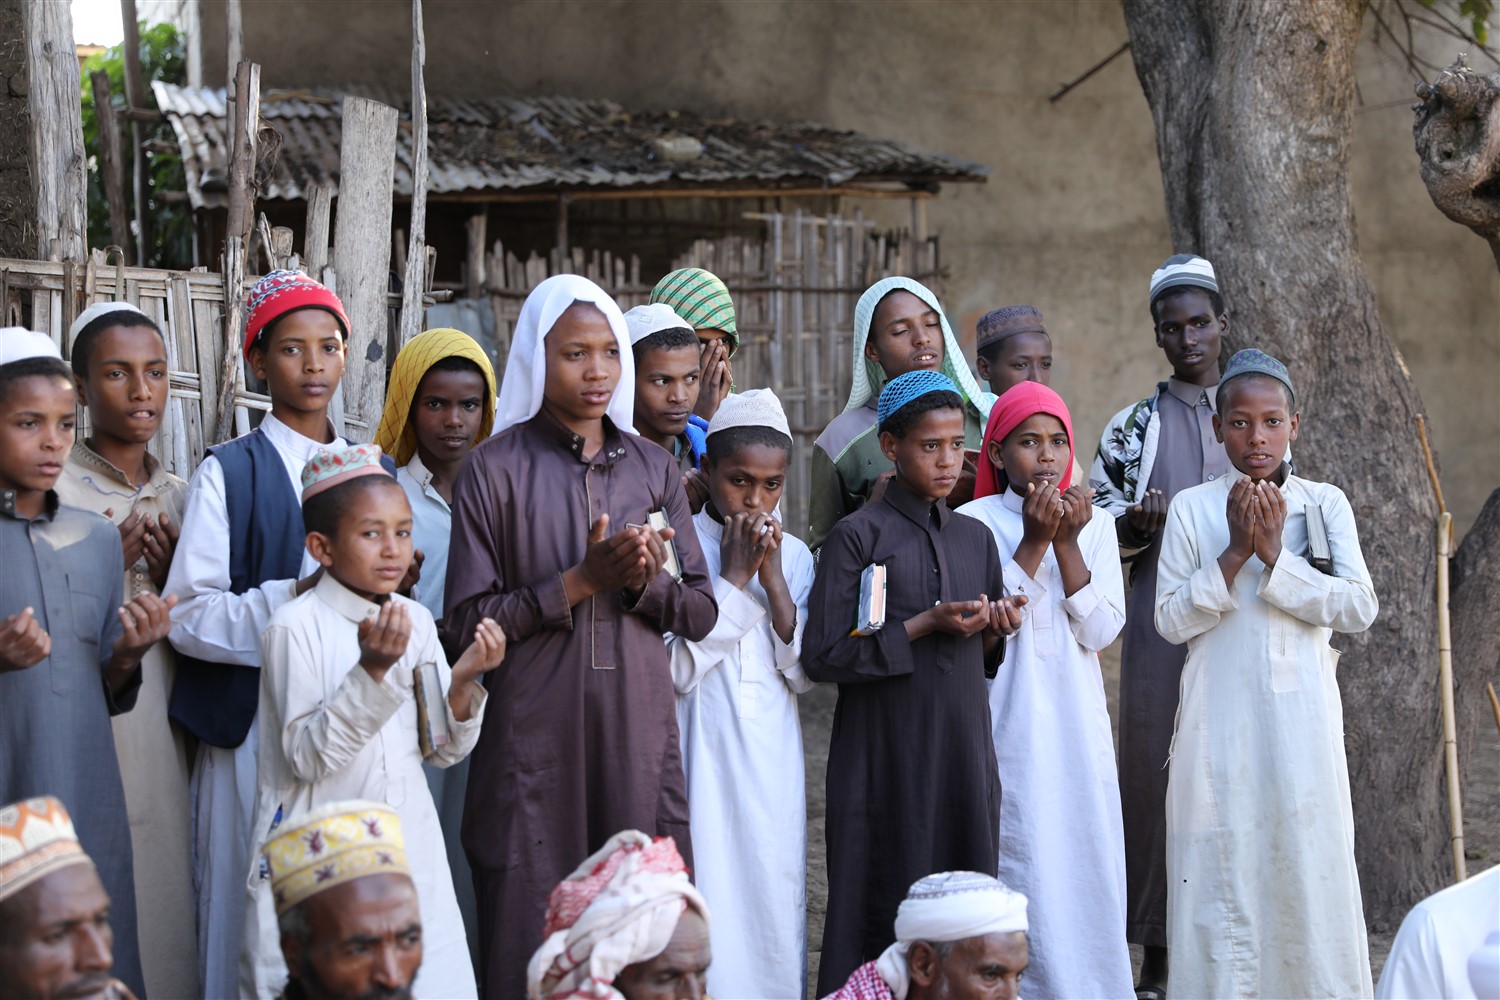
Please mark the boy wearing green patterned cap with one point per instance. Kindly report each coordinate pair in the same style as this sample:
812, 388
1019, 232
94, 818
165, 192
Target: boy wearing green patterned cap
701, 298
899, 327
1258, 782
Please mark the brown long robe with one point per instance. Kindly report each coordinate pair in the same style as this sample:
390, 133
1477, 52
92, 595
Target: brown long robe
913, 786
580, 736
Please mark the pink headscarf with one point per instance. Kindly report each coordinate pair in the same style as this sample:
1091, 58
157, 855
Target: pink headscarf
1014, 407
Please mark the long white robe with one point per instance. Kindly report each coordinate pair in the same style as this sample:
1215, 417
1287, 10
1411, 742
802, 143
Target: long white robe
213, 624
329, 733
1062, 842
742, 755
1263, 895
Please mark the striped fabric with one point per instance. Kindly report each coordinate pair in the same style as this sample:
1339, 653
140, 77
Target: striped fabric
1183, 269
700, 298
395, 435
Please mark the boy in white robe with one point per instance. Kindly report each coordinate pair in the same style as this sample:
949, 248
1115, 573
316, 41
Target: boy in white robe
1062, 842
737, 708
343, 713
1263, 897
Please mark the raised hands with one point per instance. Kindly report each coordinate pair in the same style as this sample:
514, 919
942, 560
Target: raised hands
484, 654
146, 620
383, 639
1147, 517
627, 560
1270, 520
413, 574
1042, 513
155, 538
1243, 505
695, 485
1078, 509
747, 541
23, 641
1005, 616
714, 378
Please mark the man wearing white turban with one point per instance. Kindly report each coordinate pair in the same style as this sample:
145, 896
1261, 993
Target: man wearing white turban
622, 913
959, 935
549, 539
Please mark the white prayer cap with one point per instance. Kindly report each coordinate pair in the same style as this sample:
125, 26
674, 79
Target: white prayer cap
1183, 269
643, 321
18, 344
98, 309
949, 906
751, 408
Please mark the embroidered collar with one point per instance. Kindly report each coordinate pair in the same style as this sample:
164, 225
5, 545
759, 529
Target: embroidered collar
158, 481
555, 431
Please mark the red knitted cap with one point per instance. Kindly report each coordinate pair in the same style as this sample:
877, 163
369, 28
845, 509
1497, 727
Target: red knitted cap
281, 292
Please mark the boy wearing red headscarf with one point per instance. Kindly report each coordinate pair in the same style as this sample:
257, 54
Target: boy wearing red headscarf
1060, 828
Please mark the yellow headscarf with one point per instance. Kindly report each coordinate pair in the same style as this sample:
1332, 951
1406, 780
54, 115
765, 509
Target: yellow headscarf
396, 436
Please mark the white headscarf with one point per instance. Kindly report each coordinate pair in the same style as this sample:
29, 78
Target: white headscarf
949, 906
869, 377
619, 907
520, 396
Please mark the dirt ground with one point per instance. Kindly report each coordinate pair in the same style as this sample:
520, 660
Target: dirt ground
1481, 809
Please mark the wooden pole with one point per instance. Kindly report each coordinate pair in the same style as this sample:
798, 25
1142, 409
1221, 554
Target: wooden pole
57, 154
135, 100
315, 250
245, 123
414, 281
1489, 689
234, 40
111, 165
1445, 665
474, 263
362, 255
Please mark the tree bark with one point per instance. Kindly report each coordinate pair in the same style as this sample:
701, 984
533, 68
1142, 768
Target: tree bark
1253, 104
17, 197
1475, 610
1457, 133
57, 154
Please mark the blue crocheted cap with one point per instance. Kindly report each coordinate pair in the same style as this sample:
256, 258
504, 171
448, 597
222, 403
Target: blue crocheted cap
903, 389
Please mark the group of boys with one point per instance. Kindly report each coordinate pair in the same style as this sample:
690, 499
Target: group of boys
605, 520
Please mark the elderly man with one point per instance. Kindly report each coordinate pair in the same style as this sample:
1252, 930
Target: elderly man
626, 925
959, 935
345, 904
55, 939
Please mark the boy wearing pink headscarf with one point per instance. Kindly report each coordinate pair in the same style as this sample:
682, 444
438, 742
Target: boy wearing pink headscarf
1062, 843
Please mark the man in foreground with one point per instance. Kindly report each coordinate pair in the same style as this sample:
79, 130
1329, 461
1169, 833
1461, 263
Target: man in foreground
959, 935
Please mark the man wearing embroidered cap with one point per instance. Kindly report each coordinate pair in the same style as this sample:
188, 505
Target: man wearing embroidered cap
1149, 452
55, 938
355, 694
737, 708
348, 913
241, 556
71, 646
120, 361
959, 935
913, 783
627, 924
899, 327
1258, 782
701, 298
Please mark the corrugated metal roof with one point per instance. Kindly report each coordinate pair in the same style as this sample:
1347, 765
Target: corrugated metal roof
547, 144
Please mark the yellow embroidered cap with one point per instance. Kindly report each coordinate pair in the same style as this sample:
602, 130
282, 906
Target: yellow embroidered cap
36, 839
333, 845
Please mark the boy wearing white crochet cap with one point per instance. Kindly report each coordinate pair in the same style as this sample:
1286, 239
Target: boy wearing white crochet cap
737, 707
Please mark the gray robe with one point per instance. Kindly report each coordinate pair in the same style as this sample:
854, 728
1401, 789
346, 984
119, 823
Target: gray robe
55, 736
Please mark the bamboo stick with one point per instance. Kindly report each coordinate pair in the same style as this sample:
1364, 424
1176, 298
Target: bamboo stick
1489, 689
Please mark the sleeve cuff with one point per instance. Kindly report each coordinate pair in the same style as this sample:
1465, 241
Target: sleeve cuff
278, 592
367, 705
896, 647
1288, 580
123, 701
1017, 582
552, 603
1209, 590
1083, 602
737, 609
477, 701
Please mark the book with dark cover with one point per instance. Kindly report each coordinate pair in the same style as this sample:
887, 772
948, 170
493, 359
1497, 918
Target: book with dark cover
1318, 551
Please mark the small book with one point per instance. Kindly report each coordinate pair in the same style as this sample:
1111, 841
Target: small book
432, 714
870, 615
1319, 553
658, 522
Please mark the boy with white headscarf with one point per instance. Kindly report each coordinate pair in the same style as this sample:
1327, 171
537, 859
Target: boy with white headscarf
581, 736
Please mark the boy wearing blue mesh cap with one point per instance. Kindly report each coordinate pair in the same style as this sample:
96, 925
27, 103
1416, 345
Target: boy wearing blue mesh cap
913, 785
1258, 783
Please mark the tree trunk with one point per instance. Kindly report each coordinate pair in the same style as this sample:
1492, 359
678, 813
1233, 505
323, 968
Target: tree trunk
1475, 608
1457, 133
1253, 106
17, 198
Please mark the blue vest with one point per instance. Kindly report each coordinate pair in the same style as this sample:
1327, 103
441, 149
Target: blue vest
697, 435
216, 701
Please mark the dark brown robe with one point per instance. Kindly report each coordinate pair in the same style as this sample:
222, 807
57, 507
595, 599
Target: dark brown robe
913, 786
580, 735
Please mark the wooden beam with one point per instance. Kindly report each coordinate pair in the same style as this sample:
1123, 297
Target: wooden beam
234, 40
415, 278
649, 194
315, 249
246, 123
57, 154
135, 100
111, 164
474, 264
362, 255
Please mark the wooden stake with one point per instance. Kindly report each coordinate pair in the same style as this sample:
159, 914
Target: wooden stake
474, 263
315, 251
1489, 689
135, 100
57, 154
234, 41
246, 124
362, 255
414, 280
111, 164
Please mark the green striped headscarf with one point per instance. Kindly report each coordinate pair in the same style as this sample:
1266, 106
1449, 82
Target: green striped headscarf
700, 298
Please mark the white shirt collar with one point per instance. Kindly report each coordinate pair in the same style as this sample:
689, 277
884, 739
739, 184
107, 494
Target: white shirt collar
289, 441
706, 524
1012, 500
343, 600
